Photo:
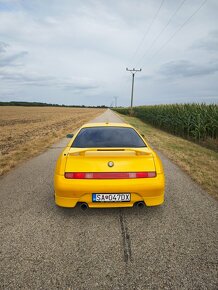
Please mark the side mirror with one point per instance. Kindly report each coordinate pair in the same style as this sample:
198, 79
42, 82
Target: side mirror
69, 136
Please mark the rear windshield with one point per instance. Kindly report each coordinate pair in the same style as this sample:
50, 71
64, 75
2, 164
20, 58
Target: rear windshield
108, 137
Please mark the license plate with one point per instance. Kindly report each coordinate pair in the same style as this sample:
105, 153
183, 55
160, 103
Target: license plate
111, 197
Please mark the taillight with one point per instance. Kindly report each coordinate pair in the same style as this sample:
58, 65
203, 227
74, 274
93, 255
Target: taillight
109, 175
75, 175
149, 174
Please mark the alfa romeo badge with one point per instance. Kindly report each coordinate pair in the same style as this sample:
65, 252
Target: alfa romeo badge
110, 164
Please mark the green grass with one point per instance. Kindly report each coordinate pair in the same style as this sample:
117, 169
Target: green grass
199, 162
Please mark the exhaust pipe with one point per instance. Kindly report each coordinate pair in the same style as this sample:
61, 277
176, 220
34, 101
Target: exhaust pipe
83, 206
140, 204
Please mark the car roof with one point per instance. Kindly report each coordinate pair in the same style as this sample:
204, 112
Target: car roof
106, 124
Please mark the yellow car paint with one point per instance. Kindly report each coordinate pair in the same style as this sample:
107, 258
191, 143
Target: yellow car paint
68, 192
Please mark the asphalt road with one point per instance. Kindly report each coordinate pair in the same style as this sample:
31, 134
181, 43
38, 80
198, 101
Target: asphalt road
173, 246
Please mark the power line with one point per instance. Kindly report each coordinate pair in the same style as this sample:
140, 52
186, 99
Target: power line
148, 29
164, 28
179, 28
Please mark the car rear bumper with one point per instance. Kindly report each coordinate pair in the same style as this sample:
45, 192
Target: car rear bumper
68, 192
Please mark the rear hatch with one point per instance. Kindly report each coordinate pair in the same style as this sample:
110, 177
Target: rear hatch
122, 160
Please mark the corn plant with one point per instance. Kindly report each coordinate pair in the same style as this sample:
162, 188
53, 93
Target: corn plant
191, 121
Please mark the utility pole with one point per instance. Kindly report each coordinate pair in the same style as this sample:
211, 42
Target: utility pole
115, 100
133, 71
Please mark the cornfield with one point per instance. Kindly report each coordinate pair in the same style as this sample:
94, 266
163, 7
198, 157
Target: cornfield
191, 121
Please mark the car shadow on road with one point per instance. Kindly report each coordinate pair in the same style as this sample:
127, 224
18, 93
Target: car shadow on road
132, 211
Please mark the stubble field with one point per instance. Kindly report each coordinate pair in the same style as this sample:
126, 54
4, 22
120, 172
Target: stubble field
27, 131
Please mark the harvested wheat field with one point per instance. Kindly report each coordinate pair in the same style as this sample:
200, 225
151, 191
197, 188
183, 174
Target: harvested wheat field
27, 131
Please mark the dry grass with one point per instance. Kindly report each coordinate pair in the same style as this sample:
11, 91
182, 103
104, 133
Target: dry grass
199, 162
27, 131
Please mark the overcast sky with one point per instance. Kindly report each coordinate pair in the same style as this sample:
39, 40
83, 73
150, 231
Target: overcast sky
76, 52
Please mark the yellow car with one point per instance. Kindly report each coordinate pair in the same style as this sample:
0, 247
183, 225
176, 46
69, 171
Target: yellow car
108, 165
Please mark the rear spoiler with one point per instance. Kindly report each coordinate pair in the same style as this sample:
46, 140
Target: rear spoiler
82, 151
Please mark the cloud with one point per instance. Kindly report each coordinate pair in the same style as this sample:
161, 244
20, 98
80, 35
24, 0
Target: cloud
144, 77
12, 60
209, 43
27, 79
3, 46
10, 56
187, 69
49, 52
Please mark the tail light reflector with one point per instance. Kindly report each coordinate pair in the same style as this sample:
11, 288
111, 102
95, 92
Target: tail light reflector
109, 175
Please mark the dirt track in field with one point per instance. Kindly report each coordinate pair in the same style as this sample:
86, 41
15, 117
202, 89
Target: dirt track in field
173, 246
